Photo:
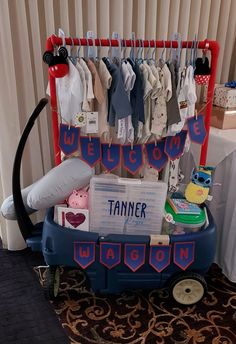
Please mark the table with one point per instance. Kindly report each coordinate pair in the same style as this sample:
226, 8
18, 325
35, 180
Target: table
222, 154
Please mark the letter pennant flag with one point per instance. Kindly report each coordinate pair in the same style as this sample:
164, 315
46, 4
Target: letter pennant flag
132, 158
174, 146
90, 150
110, 156
184, 254
156, 155
84, 253
110, 254
69, 139
134, 256
196, 129
159, 257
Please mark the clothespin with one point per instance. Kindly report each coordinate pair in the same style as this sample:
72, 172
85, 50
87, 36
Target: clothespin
110, 141
195, 114
90, 138
132, 145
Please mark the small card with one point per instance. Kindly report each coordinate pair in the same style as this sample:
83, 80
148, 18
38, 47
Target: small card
91, 122
73, 218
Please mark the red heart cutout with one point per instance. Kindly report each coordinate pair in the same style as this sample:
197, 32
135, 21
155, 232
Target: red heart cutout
75, 219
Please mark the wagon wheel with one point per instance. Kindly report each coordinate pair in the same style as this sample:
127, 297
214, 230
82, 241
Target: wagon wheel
52, 282
188, 288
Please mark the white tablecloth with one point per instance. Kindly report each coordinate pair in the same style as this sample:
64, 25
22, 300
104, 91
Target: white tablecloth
222, 154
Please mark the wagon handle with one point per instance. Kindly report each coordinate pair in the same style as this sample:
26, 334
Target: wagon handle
24, 222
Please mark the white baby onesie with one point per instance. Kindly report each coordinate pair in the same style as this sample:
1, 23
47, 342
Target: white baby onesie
190, 91
69, 94
89, 82
85, 104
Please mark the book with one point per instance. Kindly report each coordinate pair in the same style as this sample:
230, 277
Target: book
182, 206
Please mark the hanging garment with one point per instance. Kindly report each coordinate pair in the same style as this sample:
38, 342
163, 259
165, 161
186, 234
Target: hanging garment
136, 100
159, 117
106, 79
125, 131
173, 115
182, 104
190, 90
85, 103
97, 85
118, 102
89, 83
69, 94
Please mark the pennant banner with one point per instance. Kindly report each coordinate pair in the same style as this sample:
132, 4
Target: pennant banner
134, 256
110, 156
90, 150
197, 130
184, 254
156, 155
159, 257
174, 146
84, 253
69, 139
110, 254
132, 157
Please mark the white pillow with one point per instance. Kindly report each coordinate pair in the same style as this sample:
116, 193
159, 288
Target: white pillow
59, 183
8, 209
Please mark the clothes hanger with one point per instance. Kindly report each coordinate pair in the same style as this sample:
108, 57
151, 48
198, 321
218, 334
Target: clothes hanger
153, 52
161, 59
123, 50
98, 50
147, 53
79, 47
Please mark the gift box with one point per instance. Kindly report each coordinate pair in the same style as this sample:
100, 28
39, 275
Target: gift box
221, 118
224, 97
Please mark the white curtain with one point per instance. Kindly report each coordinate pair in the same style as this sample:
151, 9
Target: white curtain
24, 26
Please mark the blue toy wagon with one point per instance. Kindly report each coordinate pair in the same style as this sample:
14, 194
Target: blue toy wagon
115, 262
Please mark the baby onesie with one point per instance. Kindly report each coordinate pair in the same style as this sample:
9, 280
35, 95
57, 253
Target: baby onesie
103, 126
89, 83
85, 104
182, 104
136, 100
97, 85
159, 117
190, 90
148, 84
173, 115
125, 128
69, 94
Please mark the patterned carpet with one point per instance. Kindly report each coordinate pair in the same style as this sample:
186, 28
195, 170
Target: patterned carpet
146, 317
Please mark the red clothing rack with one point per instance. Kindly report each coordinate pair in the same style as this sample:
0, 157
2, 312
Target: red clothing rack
212, 46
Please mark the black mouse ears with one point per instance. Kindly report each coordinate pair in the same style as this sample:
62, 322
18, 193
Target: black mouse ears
48, 55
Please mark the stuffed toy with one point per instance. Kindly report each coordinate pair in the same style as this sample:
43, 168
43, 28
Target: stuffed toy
78, 199
197, 191
58, 65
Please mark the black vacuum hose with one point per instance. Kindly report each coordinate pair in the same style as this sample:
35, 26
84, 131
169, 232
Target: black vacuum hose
25, 224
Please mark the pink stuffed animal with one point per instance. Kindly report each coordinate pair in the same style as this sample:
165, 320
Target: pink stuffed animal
78, 199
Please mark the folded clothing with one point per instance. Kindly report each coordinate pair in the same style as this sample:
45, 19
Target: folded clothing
59, 183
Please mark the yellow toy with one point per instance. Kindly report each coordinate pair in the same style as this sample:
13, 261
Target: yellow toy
197, 191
